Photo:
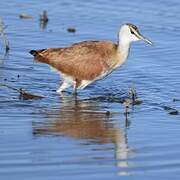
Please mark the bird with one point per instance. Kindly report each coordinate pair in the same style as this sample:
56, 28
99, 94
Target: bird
85, 62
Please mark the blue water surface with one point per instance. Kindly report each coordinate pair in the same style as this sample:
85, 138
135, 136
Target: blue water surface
63, 137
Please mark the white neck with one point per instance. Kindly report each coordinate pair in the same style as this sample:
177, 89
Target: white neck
123, 49
125, 38
123, 45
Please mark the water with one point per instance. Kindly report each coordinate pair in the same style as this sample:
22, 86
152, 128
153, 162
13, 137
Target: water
67, 138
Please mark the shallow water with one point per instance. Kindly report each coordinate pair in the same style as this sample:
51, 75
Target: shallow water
77, 138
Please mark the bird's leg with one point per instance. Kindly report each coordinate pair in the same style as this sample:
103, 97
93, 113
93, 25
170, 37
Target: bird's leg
76, 85
75, 89
63, 86
75, 92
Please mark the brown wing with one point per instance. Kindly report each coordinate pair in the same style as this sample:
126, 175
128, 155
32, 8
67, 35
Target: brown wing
85, 60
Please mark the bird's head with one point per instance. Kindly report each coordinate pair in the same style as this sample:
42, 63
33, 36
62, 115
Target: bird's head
129, 33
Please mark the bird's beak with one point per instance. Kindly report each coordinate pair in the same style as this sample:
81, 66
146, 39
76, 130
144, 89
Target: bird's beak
141, 37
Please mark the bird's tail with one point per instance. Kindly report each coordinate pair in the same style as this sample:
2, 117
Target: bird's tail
33, 52
38, 55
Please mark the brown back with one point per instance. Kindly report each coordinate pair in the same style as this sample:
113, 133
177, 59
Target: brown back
84, 61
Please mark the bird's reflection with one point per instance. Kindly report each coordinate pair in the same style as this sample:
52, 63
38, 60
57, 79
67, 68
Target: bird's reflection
86, 120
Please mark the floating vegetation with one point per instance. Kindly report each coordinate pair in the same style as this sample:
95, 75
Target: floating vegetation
170, 110
174, 112
44, 16
22, 93
133, 96
175, 100
126, 104
4, 37
25, 16
71, 29
43, 19
108, 113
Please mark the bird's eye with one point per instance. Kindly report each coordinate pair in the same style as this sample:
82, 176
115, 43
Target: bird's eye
132, 32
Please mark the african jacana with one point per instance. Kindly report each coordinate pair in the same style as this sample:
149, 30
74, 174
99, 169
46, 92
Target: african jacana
85, 62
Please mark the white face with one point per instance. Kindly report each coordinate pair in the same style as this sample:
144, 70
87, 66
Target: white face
129, 34
125, 35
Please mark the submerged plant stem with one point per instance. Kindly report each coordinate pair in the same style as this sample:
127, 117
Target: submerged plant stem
4, 37
22, 94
